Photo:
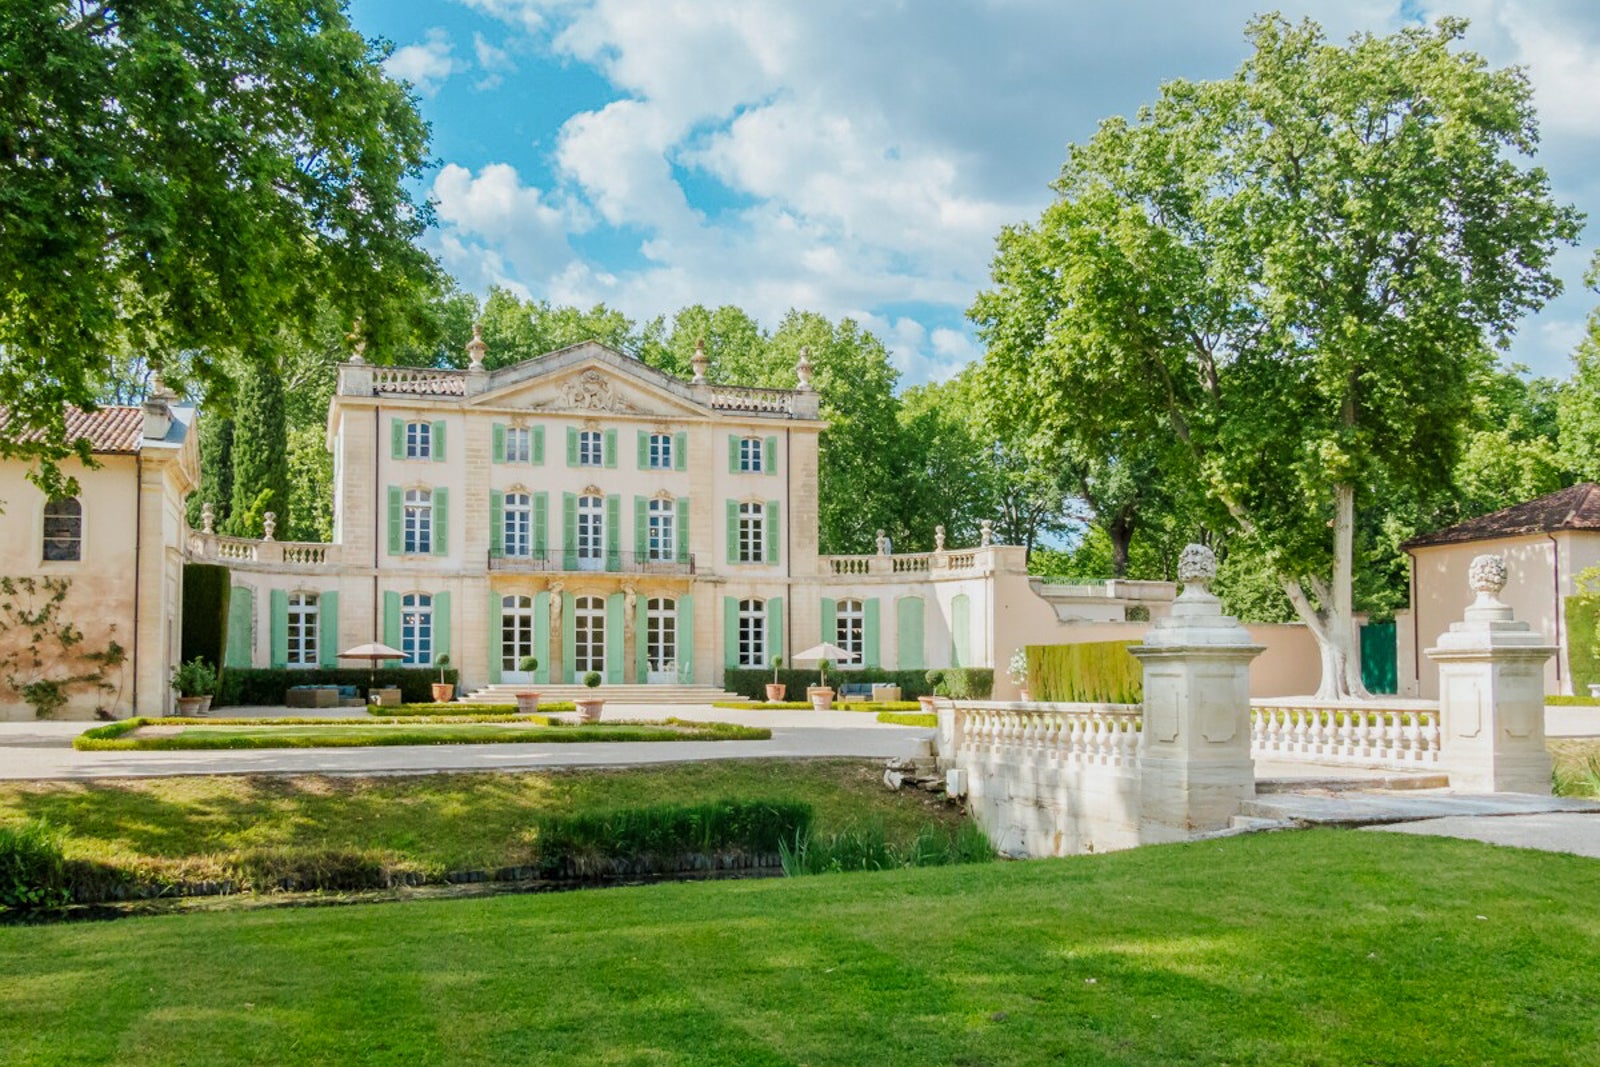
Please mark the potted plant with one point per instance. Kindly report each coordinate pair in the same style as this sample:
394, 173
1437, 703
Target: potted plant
1018, 670
443, 692
935, 680
193, 682
821, 696
528, 699
776, 690
589, 708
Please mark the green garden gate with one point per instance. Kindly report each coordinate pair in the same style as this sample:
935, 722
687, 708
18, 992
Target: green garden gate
1379, 658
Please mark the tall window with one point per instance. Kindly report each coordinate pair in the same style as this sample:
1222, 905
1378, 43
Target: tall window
63, 529
750, 454
518, 532
302, 626
752, 633
661, 633
662, 535
419, 440
591, 448
519, 445
589, 628
591, 531
416, 629
849, 628
752, 531
516, 633
661, 451
418, 527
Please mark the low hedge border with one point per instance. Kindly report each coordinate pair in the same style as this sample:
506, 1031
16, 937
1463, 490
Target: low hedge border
464, 710
896, 718
1572, 702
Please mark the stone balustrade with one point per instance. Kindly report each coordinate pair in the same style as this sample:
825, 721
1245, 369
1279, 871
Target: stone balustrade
988, 559
759, 401
1085, 733
248, 553
1403, 735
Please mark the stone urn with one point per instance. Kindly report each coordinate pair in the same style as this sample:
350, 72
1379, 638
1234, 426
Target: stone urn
1023, 695
927, 704
776, 691
589, 708
821, 697
527, 702
188, 706
443, 692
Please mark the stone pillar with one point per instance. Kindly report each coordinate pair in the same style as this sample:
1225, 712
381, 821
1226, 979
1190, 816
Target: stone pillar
1491, 693
1195, 765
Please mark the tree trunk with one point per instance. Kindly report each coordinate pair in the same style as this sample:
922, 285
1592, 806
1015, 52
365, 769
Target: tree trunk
1120, 531
1333, 624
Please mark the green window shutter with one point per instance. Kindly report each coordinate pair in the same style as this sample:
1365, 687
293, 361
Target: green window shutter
615, 610
436, 445
769, 462
496, 637
441, 626
730, 631
775, 628
733, 531
441, 522
497, 522
771, 532
241, 619
614, 532
830, 621
641, 530
908, 634
569, 531
541, 523
396, 506
328, 630
682, 532
569, 640
499, 455
644, 450
391, 624
869, 650
641, 644
961, 631
279, 629
541, 636
733, 454
686, 640
572, 446
538, 446
680, 451
611, 449
397, 438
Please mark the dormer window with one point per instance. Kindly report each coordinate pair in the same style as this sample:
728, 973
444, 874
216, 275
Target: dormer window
419, 440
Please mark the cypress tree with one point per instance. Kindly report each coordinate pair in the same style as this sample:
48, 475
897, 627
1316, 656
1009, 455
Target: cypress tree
216, 471
260, 451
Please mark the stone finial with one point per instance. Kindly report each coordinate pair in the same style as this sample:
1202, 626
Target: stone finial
159, 390
985, 533
1197, 569
476, 348
1487, 576
700, 361
883, 543
938, 538
803, 369
358, 341
269, 525
208, 518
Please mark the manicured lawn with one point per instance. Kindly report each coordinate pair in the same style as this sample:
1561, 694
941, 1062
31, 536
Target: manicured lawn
1327, 947
180, 734
199, 828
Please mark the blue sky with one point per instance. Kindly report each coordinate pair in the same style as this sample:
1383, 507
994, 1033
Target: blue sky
853, 158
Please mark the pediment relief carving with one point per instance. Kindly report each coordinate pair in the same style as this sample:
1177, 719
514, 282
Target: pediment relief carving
589, 391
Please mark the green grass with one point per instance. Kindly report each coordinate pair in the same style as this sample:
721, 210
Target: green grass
1572, 702
198, 828
211, 734
453, 709
903, 718
1321, 947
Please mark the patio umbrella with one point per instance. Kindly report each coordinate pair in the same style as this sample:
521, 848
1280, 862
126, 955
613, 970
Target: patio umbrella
825, 652
373, 651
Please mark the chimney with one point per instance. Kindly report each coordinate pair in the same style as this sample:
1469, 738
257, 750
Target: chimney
158, 409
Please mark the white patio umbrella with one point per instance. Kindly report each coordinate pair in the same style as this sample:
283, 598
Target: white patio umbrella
373, 651
822, 652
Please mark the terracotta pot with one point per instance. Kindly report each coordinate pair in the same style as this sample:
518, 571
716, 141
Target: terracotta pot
443, 692
205, 703
528, 703
821, 697
589, 710
776, 693
189, 705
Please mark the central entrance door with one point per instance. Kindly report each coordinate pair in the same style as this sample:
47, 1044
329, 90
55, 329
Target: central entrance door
661, 641
516, 637
589, 627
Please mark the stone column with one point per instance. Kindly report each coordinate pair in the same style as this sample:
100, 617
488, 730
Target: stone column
1195, 765
1491, 693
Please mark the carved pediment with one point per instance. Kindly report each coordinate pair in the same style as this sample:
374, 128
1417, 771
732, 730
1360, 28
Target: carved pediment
589, 391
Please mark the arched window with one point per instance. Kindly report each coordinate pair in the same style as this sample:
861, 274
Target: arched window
416, 629
663, 540
661, 633
419, 440
63, 529
518, 531
591, 532
418, 527
589, 630
752, 633
850, 620
302, 628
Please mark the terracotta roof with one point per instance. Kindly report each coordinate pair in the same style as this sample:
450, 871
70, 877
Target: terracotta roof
108, 430
1574, 508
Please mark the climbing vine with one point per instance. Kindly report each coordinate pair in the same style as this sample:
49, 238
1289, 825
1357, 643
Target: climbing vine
43, 658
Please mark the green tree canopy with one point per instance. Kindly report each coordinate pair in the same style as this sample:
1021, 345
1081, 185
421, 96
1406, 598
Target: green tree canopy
1291, 275
201, 176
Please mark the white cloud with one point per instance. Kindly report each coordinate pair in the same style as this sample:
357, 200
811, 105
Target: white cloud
495, 211
425, 65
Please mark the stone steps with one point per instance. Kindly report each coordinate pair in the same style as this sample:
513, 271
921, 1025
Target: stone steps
506, 693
